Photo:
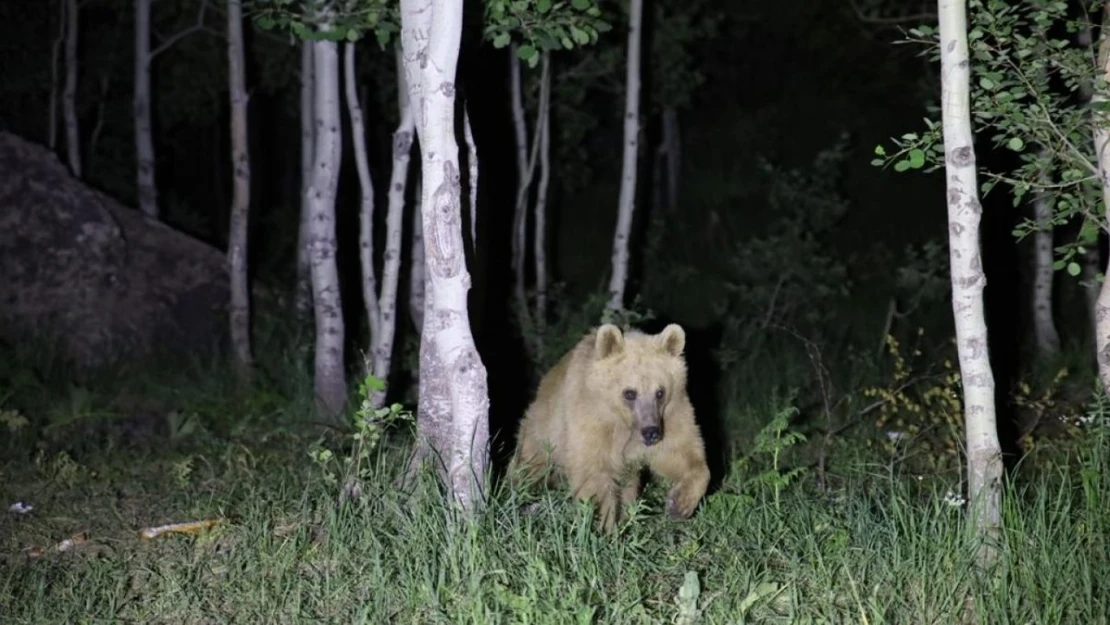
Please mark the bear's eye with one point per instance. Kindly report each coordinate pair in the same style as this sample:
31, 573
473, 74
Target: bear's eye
659, 394
629, 394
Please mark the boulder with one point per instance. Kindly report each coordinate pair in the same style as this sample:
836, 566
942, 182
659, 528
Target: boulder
98, 281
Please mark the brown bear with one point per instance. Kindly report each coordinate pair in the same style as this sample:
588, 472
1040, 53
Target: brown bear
612, 405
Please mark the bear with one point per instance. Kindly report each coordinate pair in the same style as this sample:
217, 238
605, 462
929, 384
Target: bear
612, 405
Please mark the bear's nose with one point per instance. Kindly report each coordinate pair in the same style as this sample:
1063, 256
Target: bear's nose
651, 435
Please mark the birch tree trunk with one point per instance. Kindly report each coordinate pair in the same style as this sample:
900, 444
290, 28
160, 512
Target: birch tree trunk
1090, 261
302, 294
366, 212
1044, 325
539, 238
472, 176
1102, 153
239, 306
524, 181
69, 96
144, 142
330, 382
391, 258
55, 50
418, 292
984, 456
454, 406
627, 203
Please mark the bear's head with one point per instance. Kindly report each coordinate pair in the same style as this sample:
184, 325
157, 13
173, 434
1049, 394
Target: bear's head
639, 375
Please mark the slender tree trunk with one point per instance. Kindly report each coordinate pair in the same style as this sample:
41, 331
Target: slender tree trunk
302, 294
1102, 152
524, 181
1090, 262
418, 291
240, 306
627, 203
366, 214
472, 176
539, 239
144, 142
984, 456
98, 126
391, 258
1044, 325
69, 97
55, 51
330, 382
430, 36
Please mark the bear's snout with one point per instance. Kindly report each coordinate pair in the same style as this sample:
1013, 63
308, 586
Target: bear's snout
651, 435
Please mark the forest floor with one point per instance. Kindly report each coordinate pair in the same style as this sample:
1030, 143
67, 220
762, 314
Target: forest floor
84, 472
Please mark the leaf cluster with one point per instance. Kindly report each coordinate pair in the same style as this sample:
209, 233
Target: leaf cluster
329, 20
543, 25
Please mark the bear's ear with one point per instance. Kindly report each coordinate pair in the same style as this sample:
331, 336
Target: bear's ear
672, 339
609, 341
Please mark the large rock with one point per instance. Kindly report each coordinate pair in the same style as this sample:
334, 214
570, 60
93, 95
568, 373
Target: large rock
99, 280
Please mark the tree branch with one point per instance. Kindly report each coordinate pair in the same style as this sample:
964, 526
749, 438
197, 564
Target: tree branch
168, 43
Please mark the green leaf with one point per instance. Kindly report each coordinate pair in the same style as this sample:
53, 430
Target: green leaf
1015, 144
527, 53
543, 6
567, 43
986, 83
1073, 269
880, 150
917, 158
501, 40
352, 35
877, 162
1058, 265
901, 166
580, 5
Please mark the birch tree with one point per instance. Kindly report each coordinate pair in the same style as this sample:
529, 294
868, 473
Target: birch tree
626, 204
417, 276
69, 96
302, 293
454, 402
984, 456
539, 237
1102, 157
329, 379
394, 221
240, 309
55, 51
366, 211
141, 101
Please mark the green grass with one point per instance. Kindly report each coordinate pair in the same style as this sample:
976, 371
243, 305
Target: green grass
880, 548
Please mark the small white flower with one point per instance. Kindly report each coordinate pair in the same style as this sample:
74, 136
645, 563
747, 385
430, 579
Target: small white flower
20, 508
954, 499
896, 436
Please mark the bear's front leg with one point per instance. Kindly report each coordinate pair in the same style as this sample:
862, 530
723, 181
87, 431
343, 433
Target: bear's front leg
598, 485
687, 470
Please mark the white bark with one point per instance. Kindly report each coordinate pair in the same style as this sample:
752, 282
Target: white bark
626, 205
98, 126
454, 405
984, 456
539, 239
239, 308
1090, 262
330, 382
55, 50
69, 96
1044, 325
391, 257
144, 142
1102, 153
472, 176
366, 212
302, 294
418, 292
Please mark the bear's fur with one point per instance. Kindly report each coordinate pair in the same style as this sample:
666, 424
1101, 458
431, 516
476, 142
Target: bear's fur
612, 405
